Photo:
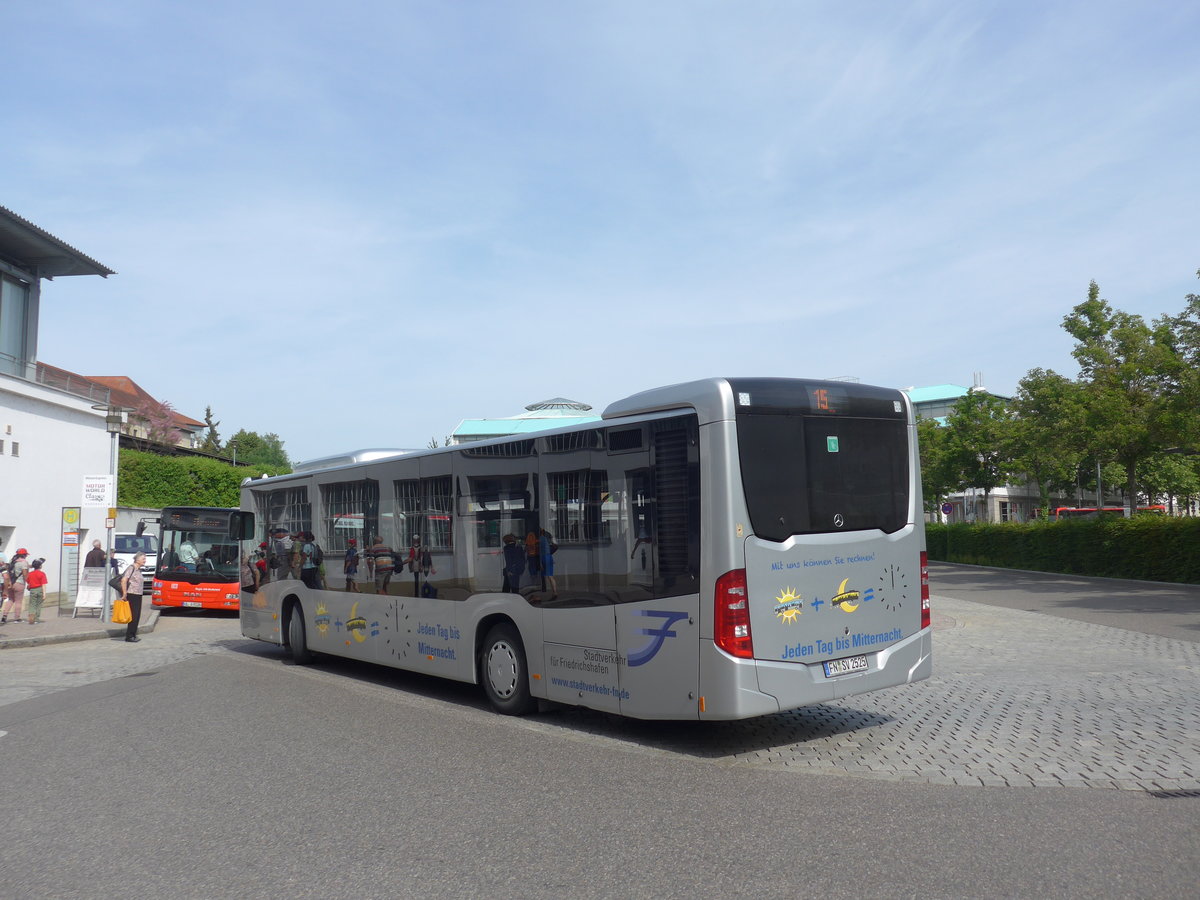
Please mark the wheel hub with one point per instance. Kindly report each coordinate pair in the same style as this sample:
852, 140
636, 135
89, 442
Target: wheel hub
502, 669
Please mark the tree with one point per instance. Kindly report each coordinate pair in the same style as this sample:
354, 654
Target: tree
259, 450
977, 441
937, 479
1170, 476
159, 420
1125, 367
1046, 436
212, 440
1184, 380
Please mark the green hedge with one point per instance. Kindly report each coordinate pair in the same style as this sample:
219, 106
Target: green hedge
150, 480
1150, 548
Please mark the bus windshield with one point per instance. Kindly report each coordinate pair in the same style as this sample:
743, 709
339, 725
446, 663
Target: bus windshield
197, 543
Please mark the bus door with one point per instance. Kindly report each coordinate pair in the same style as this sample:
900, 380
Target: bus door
659, 638
581, 659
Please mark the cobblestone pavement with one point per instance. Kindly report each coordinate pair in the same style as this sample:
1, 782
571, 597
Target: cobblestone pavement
1017, 699
32, 671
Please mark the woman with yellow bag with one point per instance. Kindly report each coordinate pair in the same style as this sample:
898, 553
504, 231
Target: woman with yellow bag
131, 592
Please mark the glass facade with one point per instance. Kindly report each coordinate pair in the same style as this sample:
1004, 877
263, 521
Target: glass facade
14, 313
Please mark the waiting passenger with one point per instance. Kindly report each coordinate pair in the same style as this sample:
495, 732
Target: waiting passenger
514, 565
381, 563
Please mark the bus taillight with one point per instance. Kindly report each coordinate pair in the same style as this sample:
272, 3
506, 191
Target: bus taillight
924, 589
732, 631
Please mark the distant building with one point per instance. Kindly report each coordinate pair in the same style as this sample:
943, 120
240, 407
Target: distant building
1008, 502
936, 402
554, 413
128, 394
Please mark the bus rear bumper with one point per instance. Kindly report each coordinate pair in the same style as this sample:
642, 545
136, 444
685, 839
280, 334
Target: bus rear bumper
748, 688
797, 684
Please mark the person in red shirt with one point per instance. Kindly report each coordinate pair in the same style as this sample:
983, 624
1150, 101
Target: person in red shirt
36, 582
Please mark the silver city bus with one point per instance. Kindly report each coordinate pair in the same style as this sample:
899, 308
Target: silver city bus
719, 549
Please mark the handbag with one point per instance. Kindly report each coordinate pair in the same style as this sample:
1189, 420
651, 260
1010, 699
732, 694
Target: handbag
121, 613
117, 582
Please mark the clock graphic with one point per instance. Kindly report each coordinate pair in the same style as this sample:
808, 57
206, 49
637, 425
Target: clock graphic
893, 587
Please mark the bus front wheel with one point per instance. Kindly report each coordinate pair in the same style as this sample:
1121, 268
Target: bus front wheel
505, 674
297, 638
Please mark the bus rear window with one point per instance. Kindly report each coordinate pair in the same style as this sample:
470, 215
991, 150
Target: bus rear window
814, 474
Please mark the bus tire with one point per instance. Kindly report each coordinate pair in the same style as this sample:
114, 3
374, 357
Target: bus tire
297, 638
504, 672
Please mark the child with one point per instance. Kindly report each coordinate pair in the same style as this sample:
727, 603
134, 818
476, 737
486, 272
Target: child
36, 582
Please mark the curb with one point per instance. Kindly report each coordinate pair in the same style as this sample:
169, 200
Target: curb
98, 633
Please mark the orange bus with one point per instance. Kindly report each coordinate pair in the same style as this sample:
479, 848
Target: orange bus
199, 557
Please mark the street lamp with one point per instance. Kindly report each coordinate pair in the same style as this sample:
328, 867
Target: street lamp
114, 420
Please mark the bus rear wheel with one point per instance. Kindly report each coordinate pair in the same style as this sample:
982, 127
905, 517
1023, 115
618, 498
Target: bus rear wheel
505, 674
297, 637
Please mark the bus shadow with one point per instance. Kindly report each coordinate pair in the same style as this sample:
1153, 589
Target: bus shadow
428, 686
705, 740
721, 740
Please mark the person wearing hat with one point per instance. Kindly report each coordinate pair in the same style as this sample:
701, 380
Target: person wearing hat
16, 590
35, 580
350, 566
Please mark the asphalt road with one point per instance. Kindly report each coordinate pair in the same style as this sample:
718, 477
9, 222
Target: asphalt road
197, 764
1169, 610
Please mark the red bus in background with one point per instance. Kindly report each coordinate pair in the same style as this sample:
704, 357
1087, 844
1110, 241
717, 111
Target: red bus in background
1094, 512
199, 557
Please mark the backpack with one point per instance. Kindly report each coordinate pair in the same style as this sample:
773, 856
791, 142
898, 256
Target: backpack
318, 555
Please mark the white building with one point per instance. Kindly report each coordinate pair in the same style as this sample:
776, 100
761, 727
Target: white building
50, 439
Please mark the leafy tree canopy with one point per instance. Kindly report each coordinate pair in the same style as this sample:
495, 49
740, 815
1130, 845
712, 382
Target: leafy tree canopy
1129, 375
263, 451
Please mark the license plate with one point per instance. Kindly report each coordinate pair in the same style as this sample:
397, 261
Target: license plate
836, 667
198, 604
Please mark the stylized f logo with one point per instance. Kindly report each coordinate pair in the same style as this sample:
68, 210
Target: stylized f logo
656, 635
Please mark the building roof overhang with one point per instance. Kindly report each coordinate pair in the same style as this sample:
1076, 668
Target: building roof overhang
39, 252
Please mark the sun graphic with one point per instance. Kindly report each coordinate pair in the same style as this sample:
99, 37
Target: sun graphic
322, 619
789, 605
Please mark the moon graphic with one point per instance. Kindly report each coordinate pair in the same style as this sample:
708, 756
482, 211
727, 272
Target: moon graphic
844, 597
356, 625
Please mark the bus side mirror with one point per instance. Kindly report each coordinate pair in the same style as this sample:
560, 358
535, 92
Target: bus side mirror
141, 526
241, 526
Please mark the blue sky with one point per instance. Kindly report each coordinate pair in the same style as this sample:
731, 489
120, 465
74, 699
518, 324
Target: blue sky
356, 224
